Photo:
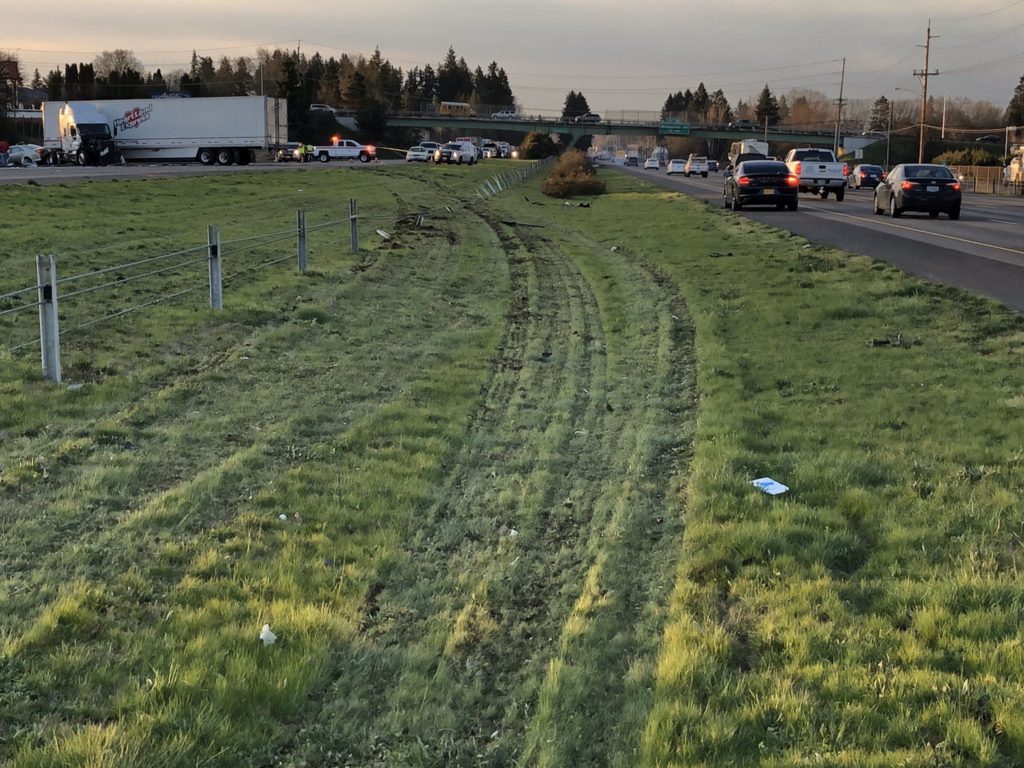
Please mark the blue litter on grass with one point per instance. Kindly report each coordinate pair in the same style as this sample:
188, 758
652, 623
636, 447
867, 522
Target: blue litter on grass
769, 486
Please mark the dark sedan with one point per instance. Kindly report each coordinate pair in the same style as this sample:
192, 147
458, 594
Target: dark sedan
760, 182
865, 175
931, 189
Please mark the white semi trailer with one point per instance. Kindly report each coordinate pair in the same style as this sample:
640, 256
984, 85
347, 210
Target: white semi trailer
221, 130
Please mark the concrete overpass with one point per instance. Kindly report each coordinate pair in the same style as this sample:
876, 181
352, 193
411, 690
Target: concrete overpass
473, 126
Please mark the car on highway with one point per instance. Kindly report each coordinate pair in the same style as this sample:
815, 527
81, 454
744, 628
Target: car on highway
505, 114
652, 164
760, 182
27, 155
677, 165
697, 164
590, 118
417, 154
923, 187
457, 152
865, 175
287, 153
712, 166
743, 125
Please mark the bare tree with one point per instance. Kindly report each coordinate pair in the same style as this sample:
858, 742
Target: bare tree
119, 60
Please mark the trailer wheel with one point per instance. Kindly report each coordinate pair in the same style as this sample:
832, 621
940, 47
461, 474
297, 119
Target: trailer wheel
207, 157
225, 156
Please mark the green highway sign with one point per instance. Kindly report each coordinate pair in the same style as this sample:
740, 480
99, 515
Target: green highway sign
670, 126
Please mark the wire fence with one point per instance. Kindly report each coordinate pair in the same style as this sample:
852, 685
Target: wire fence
66, 305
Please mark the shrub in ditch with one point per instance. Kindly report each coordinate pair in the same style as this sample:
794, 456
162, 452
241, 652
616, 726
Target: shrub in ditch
573, 174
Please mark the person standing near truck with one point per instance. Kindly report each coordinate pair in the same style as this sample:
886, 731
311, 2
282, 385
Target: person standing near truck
5, 150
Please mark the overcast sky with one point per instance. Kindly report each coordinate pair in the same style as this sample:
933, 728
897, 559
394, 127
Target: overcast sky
620, 55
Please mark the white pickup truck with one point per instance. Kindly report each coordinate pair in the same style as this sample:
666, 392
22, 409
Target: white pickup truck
345, 149
696, 164
818, 171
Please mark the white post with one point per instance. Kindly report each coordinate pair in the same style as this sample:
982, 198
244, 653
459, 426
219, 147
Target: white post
353, 221
49, 327
213, 253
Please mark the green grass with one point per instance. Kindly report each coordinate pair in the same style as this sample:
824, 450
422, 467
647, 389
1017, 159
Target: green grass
514, 464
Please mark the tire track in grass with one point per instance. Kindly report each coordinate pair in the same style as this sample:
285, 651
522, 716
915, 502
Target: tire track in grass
457, 634
547, 549
595, 698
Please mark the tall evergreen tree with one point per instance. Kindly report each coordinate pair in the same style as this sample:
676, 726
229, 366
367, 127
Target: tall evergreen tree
878, 120
575, 105
767, 107
1015, 109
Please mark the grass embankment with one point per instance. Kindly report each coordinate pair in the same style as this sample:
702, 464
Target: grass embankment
480, 436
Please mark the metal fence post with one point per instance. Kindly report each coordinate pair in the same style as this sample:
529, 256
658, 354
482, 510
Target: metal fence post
353, 220
213, 254
49, 327
300, 226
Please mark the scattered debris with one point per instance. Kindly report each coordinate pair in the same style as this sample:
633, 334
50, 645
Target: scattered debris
383, 235
75, 387
268, 637
510, 223
769, 486
282, 516
896, 341
614, 249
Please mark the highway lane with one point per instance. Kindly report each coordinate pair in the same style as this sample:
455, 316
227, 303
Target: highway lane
982, 252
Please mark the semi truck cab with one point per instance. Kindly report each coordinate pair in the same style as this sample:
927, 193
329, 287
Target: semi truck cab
85, 136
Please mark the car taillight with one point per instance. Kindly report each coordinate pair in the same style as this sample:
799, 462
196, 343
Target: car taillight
792, 181
796, 168
955, 185
743, 181
907, 185
846, 170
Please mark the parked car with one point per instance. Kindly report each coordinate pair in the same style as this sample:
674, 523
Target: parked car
287, 153
924, 187
590, 117
27, 155
457, 152
631, 160
712, 166
676, 166
865, 175
760, 182
743, 125
652, 164
417, 154
431, 146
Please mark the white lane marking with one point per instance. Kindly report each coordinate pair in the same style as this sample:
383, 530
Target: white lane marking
931, 232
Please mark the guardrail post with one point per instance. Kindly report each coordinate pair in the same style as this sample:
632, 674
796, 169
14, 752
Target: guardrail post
49, 326
300, 226
353, 221
213, 255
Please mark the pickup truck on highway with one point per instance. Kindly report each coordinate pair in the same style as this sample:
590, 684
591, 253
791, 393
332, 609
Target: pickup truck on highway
818, 171
696, 164
345, 149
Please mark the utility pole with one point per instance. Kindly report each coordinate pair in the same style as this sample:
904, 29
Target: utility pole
839, 111
923, 76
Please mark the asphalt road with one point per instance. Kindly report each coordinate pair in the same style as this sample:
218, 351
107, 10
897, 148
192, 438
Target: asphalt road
982, 252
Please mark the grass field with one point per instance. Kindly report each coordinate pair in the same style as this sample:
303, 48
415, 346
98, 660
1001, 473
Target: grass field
489, 483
